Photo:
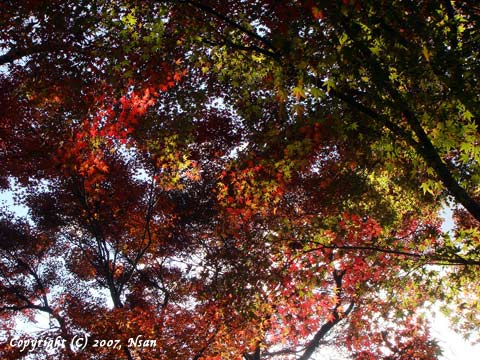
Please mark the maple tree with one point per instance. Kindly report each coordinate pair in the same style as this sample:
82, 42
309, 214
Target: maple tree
253, 183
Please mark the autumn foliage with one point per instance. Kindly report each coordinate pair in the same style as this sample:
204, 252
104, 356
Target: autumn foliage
237, 180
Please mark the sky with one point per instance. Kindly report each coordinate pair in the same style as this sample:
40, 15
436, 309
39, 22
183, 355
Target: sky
455, 347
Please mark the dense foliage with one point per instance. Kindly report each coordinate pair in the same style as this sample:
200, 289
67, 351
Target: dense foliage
239, 179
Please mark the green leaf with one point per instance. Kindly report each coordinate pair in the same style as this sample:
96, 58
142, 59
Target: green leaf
298, 92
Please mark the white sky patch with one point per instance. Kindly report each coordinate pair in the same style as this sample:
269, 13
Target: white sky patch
454, 346
447, 215
7, 202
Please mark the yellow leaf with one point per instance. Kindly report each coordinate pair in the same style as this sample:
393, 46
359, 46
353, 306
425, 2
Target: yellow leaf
426, 53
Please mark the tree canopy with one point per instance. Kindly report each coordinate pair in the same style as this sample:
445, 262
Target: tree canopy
239, 179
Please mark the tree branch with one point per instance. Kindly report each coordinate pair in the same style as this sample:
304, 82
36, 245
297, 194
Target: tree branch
252, 34
315, 342
17, 54
423, 146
